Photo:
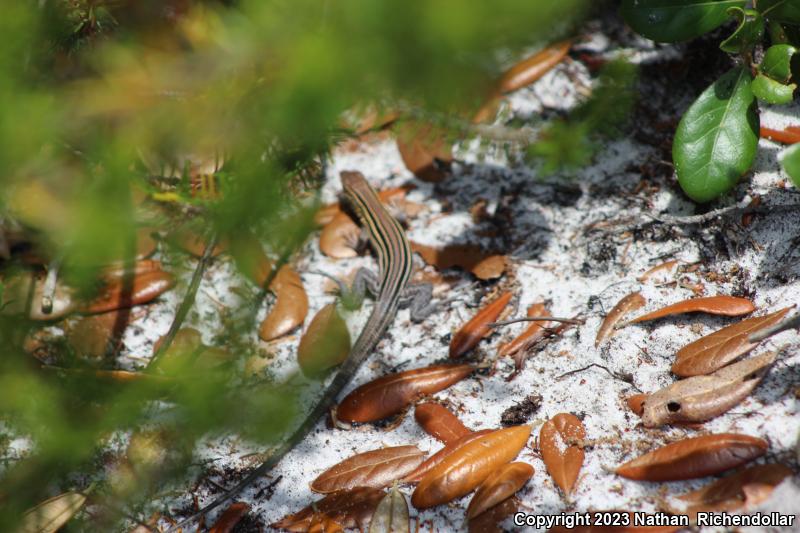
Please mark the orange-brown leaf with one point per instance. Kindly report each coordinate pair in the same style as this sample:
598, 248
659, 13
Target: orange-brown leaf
291, 305
487, 522
431, 462
532, 334
715, 305
460, 472
694, 457
376, 468
787, 136
250, 258
558, 443
629, 303
325, 344
350, 508
439, 422
533, 67
716, 350
636, 403
388, 395
339, 237
230, 517
144, 288
500, 485
477, 328
468, 257
667, 265
425, 150
94, 335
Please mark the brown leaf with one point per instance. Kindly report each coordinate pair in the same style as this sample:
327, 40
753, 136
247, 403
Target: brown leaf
391, 516
533, 334
694, 457
322, 523
716, 350
629, 303
189, 241
376, 468
715, 305
325, 344
230, 517
500, 485
701, 398
145, 288
636, 403
291, 305
116, 272
187, 353
388, 395
248, 253
560, 454
439, 422
734, 492
431, 462
667, 265
468, 257
50, 515
95, 335
339, 238
22, 293
350, 508
460, 472
487, 522
477, 328
425, 150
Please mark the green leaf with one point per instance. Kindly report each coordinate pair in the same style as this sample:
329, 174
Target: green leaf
747, 34
781, 10
771, 91
777, 62
676, 20
715, 142
790, 161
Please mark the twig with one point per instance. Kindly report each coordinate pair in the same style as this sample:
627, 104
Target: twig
188, 300
790, 323
49, 289
627, 378
672, 220
537, 319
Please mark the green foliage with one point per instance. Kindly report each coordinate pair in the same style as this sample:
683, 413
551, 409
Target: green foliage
787, 11
772, 92
790, 161
777, 62
716, 140
749, 31
671, 21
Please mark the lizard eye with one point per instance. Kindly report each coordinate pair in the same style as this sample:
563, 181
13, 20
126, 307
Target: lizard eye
673, 407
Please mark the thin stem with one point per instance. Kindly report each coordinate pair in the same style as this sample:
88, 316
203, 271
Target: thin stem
790, 323
537, 319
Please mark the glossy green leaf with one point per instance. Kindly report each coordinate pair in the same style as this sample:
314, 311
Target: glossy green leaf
749, 31
777, 62
790, 161
715, 142
676, 20
781, 10
771, 91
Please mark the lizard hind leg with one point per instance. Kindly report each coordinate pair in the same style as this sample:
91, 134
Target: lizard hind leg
352, 297
418, 298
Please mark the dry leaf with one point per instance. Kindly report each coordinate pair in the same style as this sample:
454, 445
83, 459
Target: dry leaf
145, 288
432, 461
460, 472
636, 403
322, 523
388, 395
500, 485
339, 238
230, 517
250, 258
50, 515
738, 491
96, 335
189, 241
325, 344
702, 398
667, 265
560, 453
468, 257
425, 150
716, 350
350, 508
439, 422
786, 136
291, 305
487, 522
391, 516
187, 352
694, 457
626, 305
477, 328
376, 468
532, 334
23, 293
116, 272
715, 305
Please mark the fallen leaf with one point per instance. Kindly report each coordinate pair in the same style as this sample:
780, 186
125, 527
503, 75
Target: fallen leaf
701, 398
350, 508
439, 422
248, 253
388, 395
468, 257
322, 523
716, 350
188, 353
500, 485
736, 492
463, 470
477, 328
560, 453
325, 344
666, 265
626, 305
532, 334
376, 468
391, 515
487, 522
339, 237
230, 517
291, 305
694, 457
787, 136
23, 293
189, 241
636, 403
50, 515
95, 335
144, 288
117, 272
431, 462
715, 305
425, 150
